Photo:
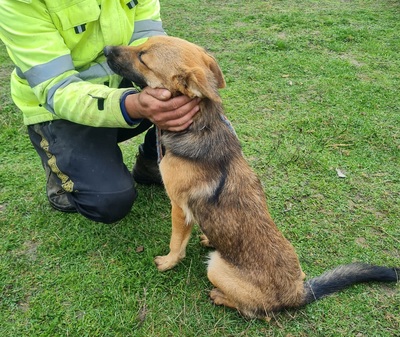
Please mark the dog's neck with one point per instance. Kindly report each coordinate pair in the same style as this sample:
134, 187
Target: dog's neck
208, 115
209, 140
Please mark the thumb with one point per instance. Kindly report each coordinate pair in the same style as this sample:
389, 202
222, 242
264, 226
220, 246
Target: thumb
159, 93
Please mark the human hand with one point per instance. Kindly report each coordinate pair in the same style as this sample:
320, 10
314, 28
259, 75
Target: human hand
156, 105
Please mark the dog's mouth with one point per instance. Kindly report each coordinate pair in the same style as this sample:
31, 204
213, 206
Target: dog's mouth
131, 75
135, 78
122, 69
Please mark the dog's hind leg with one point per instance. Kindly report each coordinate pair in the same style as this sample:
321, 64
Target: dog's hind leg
179, 239
231, 288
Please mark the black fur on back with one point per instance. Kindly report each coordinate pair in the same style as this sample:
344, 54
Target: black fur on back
208, 140
345, 276
214, 199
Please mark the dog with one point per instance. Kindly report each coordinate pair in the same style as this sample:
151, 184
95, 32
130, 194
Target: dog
254, 268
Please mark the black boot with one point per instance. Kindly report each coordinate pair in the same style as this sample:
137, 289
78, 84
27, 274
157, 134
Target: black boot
55, 193
146, 170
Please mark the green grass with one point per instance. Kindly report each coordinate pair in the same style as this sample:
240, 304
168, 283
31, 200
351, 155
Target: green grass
312, 86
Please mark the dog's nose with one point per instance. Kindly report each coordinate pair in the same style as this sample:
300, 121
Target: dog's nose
107, 51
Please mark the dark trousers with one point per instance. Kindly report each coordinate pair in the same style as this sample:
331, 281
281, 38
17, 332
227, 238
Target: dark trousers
89, 165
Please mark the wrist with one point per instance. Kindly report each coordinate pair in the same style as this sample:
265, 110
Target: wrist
126, 105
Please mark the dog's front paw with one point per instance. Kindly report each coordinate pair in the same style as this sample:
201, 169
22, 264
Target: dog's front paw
205, 242
166, 262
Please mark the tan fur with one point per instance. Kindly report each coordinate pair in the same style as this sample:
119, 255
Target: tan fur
254, 268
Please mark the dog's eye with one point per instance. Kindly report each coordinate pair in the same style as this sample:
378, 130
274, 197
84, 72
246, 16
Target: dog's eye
140, 57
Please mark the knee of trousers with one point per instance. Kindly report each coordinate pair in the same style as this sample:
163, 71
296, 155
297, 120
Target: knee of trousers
105, 207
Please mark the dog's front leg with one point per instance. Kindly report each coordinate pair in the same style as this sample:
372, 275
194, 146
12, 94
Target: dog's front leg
179, 239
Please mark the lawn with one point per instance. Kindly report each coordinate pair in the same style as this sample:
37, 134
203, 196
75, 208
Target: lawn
313, 93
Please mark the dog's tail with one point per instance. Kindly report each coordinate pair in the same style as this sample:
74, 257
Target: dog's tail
345, 276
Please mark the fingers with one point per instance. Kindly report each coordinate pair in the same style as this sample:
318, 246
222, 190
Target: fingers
179, 118
163, 99
183, 122
160, 94
173, 114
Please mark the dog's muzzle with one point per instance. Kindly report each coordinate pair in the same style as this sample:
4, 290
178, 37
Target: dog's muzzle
108, 50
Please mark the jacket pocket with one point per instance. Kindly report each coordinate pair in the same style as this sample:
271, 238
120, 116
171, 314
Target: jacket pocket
74, 15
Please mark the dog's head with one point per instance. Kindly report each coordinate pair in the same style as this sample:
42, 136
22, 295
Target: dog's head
169, 62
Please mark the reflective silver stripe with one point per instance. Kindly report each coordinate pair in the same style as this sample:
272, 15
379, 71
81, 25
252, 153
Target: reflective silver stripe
96, 71
50, 95
146, 28
80, 29
131, 4
43, 72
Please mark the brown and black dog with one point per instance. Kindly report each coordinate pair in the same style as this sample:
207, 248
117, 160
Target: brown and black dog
253, 268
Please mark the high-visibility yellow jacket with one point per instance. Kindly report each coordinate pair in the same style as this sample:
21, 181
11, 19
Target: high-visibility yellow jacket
57, 47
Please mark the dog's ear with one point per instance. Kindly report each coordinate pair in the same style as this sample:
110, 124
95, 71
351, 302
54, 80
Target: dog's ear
215, 69
201, 81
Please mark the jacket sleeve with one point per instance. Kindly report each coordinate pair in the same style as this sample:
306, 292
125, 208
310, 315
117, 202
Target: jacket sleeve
84, 90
